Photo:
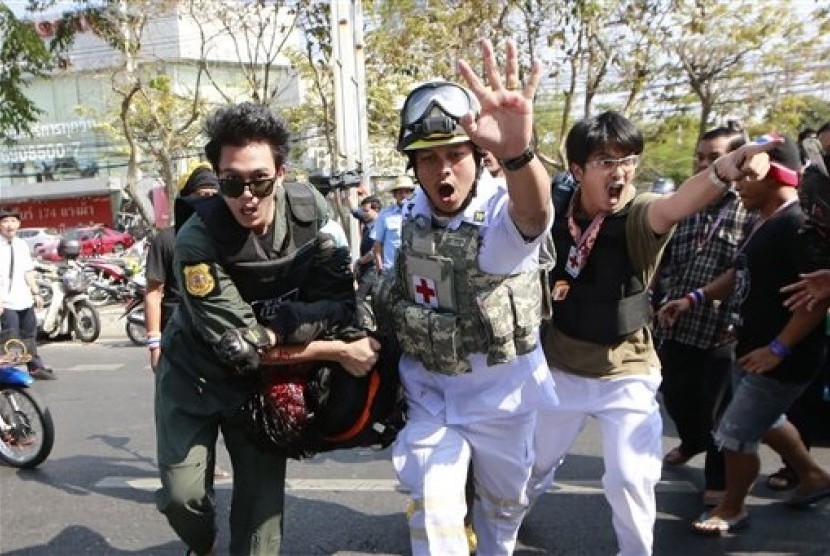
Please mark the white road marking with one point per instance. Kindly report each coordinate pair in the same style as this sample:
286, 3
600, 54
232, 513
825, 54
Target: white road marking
376, 485
100, 342
96, 367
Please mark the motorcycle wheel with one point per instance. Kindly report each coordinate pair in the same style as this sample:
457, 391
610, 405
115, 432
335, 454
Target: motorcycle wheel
86, 323
31, 433
137, 333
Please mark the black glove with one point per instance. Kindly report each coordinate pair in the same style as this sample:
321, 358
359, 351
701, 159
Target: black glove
239, 348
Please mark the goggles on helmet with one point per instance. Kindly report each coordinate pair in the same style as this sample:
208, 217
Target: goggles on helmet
431, 113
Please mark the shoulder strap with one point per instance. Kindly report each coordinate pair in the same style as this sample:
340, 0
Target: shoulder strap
563, 187
305, 211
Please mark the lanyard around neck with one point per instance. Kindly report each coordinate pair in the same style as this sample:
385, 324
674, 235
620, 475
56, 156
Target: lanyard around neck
583, 241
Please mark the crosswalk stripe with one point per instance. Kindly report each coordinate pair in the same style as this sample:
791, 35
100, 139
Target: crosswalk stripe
375, 485
93, 367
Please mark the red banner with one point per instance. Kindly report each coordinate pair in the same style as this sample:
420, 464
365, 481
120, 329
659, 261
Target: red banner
65, 213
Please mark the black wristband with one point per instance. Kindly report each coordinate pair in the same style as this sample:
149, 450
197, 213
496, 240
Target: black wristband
519, 162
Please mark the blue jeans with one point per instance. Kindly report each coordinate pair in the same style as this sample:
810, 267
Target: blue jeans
758, 404
22, 324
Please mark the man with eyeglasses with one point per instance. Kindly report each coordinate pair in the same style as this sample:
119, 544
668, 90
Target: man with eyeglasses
464, 301
247, 261
599, 345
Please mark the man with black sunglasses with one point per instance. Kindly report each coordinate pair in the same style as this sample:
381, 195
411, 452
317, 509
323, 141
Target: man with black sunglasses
246, 261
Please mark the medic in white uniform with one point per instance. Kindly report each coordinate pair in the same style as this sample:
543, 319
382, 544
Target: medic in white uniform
464, 302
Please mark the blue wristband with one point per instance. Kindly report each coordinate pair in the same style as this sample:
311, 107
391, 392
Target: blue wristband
778, 349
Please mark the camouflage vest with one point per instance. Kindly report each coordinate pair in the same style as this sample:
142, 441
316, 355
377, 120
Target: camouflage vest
442, 307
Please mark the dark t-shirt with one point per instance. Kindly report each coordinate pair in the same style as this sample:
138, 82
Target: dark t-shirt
814, 193
773, 257
160, 269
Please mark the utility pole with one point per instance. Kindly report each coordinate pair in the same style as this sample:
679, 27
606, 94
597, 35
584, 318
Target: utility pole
352, 137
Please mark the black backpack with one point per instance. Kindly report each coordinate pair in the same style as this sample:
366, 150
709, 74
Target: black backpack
319, 407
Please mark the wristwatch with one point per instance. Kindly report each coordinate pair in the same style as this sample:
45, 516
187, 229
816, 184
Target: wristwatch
519, 162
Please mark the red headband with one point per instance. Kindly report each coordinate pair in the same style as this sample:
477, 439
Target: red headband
782, 174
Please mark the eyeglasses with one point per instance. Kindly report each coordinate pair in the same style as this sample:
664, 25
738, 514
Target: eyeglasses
234, 187
609, 164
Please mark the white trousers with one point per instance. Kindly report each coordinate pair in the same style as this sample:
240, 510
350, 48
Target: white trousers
432, 458
631, 426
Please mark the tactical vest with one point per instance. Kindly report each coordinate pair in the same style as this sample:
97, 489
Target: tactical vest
265, 275
608, 300
460, 309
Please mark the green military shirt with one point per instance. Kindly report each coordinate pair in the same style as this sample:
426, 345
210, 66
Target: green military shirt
211, 305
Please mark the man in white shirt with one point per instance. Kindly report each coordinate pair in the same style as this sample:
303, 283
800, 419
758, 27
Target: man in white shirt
18, 289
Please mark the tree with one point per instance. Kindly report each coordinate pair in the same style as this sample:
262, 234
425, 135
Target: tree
259, 32
153, 118
794, 113
719, 48
314, 115
24, 56
591, 47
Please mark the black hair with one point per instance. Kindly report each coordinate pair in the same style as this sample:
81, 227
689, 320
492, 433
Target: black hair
733, 130
805, 133
240, 124
372, 201
609, 129
825, 127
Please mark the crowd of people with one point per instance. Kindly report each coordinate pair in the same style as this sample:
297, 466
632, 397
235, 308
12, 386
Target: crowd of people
715, 294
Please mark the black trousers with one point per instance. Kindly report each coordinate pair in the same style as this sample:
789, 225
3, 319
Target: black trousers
23, 324
695, 392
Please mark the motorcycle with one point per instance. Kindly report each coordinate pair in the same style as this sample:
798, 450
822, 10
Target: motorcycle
27, 432
69, 311
108, 279
134, 324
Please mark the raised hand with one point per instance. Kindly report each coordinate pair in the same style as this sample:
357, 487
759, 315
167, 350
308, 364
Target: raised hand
504, 125
813, 288
750, 160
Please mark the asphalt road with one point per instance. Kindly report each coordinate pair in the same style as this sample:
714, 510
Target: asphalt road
94, 495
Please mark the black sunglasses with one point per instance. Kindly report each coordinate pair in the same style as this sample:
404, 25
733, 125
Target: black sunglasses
234, 187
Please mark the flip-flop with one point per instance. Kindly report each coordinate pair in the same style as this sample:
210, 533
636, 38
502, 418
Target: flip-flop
714, 526
783, 479
804, 500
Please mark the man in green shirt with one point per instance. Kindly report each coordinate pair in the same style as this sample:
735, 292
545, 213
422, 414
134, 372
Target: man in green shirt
239, 260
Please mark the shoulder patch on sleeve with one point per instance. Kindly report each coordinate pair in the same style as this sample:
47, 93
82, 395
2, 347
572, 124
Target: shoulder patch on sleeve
200, 279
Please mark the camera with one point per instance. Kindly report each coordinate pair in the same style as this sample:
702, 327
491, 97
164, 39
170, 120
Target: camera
339, 181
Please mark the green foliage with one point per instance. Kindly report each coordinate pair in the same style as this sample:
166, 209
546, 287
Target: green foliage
669, 148
793, 113
23, 56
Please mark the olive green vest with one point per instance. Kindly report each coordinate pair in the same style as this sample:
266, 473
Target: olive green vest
442, 308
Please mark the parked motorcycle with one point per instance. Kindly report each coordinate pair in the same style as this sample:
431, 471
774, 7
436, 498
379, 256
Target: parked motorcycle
108, 280
134, 324
27, 432
69, 311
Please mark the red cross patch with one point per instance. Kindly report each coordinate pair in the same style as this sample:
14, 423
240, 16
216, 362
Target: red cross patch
425, 291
